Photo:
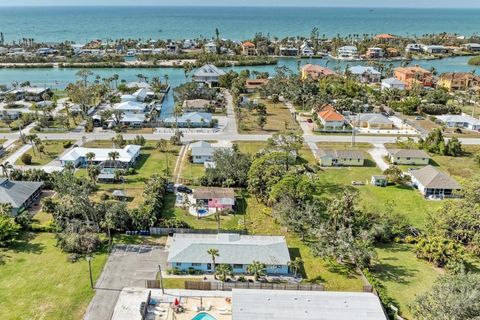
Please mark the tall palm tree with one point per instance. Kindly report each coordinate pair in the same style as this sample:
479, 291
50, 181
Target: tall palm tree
93, 173
257, 269
295, 265
114, 155
32, 139
6, 167
90, 156
223, 271
213, 254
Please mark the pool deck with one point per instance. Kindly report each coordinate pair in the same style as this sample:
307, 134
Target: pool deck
130, 299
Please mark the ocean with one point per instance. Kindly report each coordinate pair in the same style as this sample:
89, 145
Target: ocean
81, 24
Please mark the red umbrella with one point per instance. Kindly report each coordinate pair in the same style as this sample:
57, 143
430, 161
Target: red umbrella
177, 302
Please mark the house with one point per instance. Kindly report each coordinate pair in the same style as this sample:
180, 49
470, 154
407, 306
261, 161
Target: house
128, 119
138, 85
408, 157
34, 94
373, 121
306, 50
413, 76
385, 37
337, 158
208, 74
190, 120
433, 183
366, 74
248, 49
260, 304
78, 156
141, 95
315, 72
189, 251
460, 121
413, 47
434, 49
475, 47
19, 194
202, 152
379, 181
459, 81
288, 51
347, 53
131, 107
9, 114
214, 198
252, 85
392, 84
196, 105
330, 119
375, 53
210, 47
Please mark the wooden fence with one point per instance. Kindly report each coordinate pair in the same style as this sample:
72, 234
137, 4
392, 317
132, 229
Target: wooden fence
169, 231
228, 286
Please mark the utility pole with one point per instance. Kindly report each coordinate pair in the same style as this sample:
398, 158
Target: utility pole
354, 131
89, 259
161, 278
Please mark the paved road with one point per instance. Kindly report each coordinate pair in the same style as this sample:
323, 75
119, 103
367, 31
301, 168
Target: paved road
127, 266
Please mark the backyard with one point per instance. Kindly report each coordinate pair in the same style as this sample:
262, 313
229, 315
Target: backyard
278, 118
52, 149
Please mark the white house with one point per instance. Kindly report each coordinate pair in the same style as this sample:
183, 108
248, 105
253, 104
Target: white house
211, 47
78, 156
208, 74
472, 47
190, 120
202, 152
336, 158
413, 47
347, 52
375, 53
434, 49
131, 107
460, 121
366, 74
408, 157
393, 83
306, 50
141, 95
433, 183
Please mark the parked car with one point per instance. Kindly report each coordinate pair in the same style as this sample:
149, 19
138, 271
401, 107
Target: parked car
183, 189
170, 187
419, 118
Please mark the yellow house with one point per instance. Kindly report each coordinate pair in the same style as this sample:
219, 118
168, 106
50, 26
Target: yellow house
337, 158
459, 81
408, 157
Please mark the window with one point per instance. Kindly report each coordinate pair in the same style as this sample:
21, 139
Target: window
178, 264
196, 264
238, 266
279, 266
209, 266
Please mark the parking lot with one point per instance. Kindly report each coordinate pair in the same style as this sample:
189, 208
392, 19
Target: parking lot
127, 266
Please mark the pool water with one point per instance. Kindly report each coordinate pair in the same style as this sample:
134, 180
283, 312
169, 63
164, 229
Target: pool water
108, 170
203, 316
202, 212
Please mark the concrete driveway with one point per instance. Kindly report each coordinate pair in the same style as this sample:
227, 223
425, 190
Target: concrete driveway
378, 153
127, 266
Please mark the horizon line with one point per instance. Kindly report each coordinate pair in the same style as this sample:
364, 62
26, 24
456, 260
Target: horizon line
233, 6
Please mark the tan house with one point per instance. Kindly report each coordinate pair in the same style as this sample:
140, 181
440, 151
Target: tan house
196, 105
459, 81
338, 158
251, 85
316, 72
249, 49
408, 157
413, 76
373, 121
329, 119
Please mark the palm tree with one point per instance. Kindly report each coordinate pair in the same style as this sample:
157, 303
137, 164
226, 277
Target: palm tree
32, 139
93, 173
257, 269
223, 271
295, 265
6, 167
213, 253
114, 155
90, 156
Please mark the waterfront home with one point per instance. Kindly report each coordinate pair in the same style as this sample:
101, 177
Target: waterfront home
433, 183
252, 85
459, 121
408, 157
190, 120
375, 53
474, 47
131, 107
19, 194
337, 158
413, 76
330, 119
365, 74
288, 51
45, 51
138, 85
190, 252
214, 198
459, 81
208, 74
434, 49
34, 94
210, 47
393, 84
78, 157
413, 47
305, 305
196, 105
306, 50
372, 121
347, 53
141, 95
315, 72
249, 49
385, 36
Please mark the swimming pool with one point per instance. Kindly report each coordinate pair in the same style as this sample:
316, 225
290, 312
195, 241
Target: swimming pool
203, 316
108, 170
202, 212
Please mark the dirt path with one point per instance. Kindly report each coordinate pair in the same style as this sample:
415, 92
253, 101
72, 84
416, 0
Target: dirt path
178, 165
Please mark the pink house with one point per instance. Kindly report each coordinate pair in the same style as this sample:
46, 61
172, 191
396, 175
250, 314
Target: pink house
215, 198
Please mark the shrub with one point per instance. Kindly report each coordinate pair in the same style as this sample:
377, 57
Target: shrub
26, 159
104, 196
67, 144
81, 243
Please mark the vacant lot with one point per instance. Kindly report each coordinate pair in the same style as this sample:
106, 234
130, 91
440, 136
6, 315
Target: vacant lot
279, 119
253, 147
52, 149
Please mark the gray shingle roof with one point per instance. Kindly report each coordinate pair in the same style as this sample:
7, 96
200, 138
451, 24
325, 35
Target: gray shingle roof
209, 70
374, 118
17, 192
340, 154
408, 153
431, 178
233, 249
213, 193
305, 305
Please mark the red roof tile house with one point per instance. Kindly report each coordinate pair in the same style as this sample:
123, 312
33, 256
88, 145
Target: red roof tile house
249, 49
329, 119
316, 72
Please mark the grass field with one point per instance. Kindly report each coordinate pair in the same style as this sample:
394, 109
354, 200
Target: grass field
38, 282
253, 147
403, 275
53, 149
279, 119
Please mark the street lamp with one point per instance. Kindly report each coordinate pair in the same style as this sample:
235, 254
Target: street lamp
89, 259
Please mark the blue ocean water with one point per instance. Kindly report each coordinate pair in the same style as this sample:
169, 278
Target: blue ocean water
81, 24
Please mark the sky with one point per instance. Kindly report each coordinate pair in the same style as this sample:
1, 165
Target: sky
296, 3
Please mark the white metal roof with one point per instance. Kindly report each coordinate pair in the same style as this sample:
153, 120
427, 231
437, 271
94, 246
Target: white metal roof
127, 154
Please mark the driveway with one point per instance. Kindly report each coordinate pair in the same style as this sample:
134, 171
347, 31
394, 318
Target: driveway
378, 153
127, 266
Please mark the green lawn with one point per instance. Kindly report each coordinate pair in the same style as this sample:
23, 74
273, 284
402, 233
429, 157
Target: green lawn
279, 119
53, 149
253, 147
38, 282
403, 275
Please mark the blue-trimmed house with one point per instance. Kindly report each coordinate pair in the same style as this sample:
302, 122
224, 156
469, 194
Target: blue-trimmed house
189, 251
